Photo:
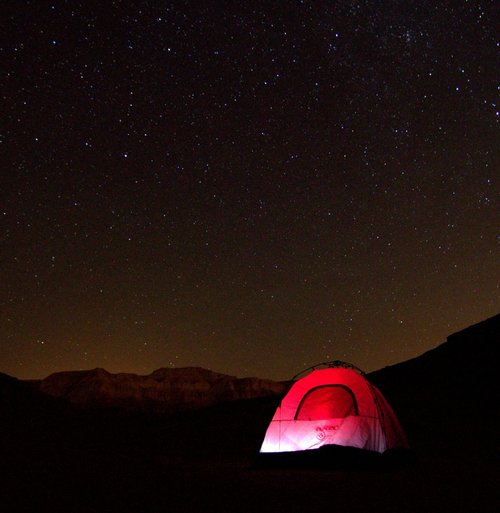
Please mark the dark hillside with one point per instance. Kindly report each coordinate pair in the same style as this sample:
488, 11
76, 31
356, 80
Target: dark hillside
449, 396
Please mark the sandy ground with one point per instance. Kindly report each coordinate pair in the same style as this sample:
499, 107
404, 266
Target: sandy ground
434, 484
85, 462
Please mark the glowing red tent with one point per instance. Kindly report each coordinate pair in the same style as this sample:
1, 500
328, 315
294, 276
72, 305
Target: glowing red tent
333, 406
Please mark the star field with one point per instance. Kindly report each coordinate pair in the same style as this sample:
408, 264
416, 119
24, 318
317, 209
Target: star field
251, 187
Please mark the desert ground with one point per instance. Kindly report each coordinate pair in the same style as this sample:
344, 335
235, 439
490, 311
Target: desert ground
81, 461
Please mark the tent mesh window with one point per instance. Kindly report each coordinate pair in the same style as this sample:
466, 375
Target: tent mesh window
327, 402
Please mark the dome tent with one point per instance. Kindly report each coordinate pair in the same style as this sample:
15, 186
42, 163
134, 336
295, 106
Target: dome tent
333, 405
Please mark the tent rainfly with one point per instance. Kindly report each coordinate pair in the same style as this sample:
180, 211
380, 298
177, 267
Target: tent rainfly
335, 405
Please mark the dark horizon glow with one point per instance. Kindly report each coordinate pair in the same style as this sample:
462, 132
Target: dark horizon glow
248, 187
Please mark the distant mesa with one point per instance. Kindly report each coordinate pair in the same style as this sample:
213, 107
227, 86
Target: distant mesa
455, 382
164, 390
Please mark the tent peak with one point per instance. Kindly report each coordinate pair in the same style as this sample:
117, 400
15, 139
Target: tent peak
328, 365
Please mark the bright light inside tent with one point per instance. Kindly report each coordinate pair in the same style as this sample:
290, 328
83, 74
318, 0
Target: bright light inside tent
333, 406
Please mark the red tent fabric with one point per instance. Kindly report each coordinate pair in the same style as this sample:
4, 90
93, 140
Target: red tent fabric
333, 406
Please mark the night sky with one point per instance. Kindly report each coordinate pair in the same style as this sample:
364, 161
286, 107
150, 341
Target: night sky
251, 187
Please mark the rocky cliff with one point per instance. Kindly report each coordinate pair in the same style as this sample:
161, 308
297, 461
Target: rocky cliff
164, 390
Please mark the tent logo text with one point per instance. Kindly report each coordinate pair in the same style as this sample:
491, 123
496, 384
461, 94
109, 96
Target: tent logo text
320, 431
